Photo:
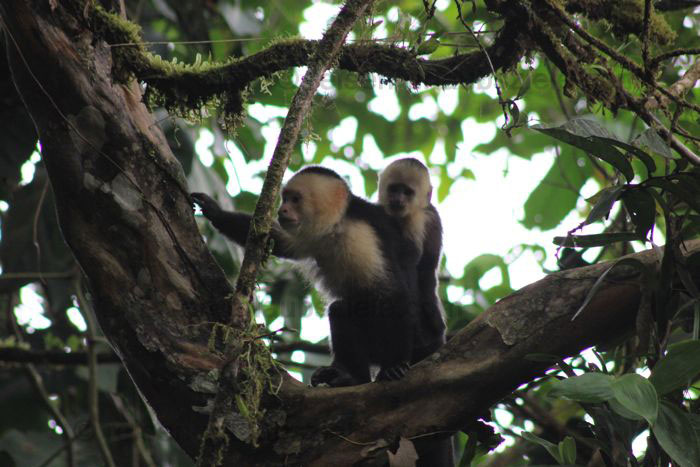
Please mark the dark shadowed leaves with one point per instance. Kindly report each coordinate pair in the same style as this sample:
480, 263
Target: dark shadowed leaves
588, 387
564, 452
678, 189
637, 395
587, 241
593, 138
674, 432
604, 201
651, 140
641, 208
678, 368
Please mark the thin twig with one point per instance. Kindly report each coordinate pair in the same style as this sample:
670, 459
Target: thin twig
357, 443
665, 133
679, 88
51, 357
621, 59
49, 460
93, 391
37, 275
35, 225
672, 54
137, 433
501, 101
218, 41
214, 441
306, 366
38, 383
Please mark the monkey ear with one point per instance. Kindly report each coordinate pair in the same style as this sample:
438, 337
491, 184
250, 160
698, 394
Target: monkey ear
430, 194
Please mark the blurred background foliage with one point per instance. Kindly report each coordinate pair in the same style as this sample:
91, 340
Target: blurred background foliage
357, 122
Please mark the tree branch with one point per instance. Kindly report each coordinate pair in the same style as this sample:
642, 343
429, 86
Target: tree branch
17, 355
201, 84
215, 440
158, 293
483, 363
51, 357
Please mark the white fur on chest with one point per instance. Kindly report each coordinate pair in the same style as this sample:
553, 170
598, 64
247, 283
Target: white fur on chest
414, 227
348, 258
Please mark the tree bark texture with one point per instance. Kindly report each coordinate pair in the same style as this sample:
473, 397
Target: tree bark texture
124, 211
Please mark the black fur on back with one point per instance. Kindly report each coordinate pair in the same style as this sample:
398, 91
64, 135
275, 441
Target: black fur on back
317, 169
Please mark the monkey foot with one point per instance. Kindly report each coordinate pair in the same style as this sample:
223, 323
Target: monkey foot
393, 373
332, 376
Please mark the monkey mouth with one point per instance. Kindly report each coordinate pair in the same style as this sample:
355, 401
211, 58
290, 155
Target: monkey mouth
288, 224
396, 208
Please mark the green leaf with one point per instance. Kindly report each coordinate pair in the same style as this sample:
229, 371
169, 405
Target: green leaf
588, 387
677, 189
641, 207
650, 138
604, 201
587, 241
524, 87
592, 138
430, 45
556, 195
635, 151
695, 422
637, 395
567, 451
678, 368
622, 411
479, 266
551, 448
445, 184
675, 434
317, 302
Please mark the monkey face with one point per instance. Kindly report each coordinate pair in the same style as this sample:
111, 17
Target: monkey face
312, 203
290, 212
400, 197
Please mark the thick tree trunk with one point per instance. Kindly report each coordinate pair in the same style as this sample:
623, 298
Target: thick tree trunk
123, 207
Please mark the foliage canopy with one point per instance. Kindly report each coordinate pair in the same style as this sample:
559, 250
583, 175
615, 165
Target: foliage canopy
604, 91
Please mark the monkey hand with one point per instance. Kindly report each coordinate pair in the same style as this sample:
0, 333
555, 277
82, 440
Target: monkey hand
207, 203
332, 376
393, 373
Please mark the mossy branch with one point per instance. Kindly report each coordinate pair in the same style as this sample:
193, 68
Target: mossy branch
185, 88
214, 439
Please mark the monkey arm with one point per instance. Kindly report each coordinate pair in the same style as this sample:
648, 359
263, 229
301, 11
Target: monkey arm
432, 314
235, 225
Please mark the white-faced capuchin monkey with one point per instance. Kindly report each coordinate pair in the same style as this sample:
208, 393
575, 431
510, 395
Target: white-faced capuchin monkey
362, 260
358, 259
404, 192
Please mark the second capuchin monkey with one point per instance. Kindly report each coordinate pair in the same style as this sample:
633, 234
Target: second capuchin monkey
404, 192
362, 259
359, 259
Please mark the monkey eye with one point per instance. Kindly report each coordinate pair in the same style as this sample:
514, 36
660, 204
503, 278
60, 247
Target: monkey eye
395, 188
408, 192
291, 198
